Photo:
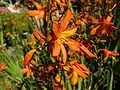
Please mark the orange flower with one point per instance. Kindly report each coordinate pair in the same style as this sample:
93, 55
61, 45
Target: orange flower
28, 71
40, 12
3, 66
108, 53
60, 35
104, 26
75, 69
5, 23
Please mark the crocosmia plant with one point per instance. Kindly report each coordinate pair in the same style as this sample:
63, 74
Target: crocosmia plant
60, 45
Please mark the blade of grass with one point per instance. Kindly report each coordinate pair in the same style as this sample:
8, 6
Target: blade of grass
111, 82
68, 83
80, 84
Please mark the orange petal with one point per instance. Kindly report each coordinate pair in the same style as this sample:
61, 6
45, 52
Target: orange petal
112, 53
82, 66
93, 31
64, 89
66, 19
66, 68
3, 66
41, 14
108, 53
29, 73
56, 49
67, 33
33, 12
38, 6
82, 1
69, 76
58, 79
84, 20
73, 45
25, 70
60, 3
103, 41
86, 51
65, 1
74, 78
79, 72
78, 21
109, 18
29, 56
100, 1
49, 37
55, 27
64, 53
38, 35
73, 62
50, 68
